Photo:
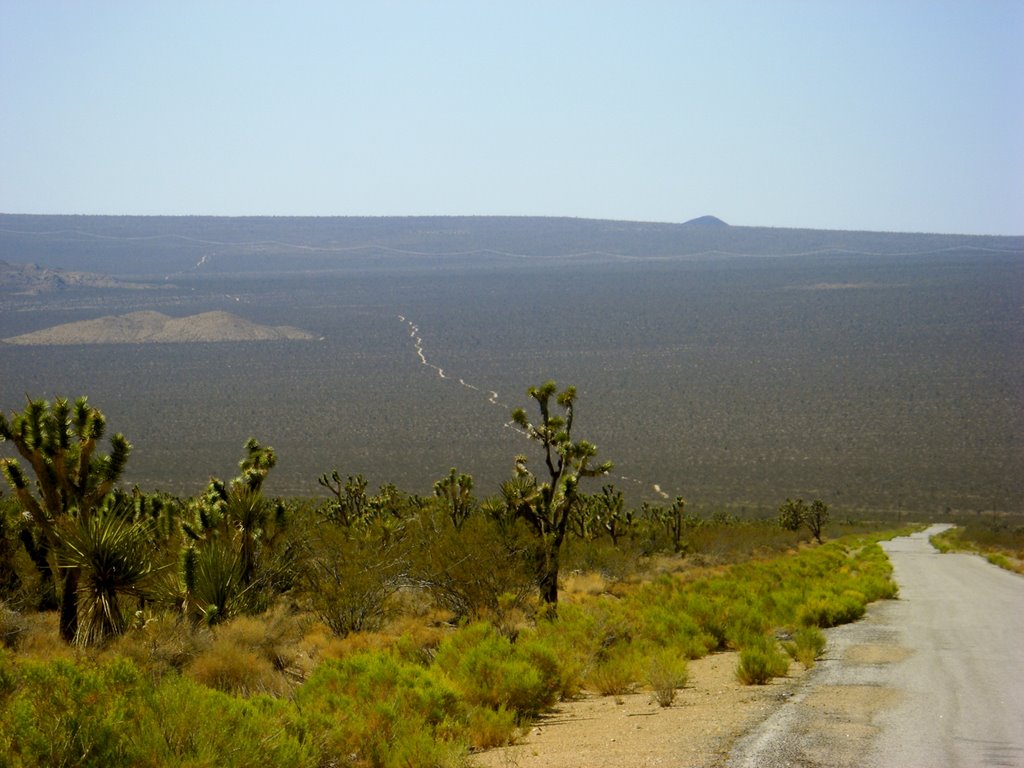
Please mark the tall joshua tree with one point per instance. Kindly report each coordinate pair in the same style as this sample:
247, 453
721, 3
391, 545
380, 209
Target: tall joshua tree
546, 502
60, 444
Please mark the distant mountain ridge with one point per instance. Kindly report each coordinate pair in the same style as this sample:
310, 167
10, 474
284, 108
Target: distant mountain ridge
157, 328
141, 248
32, 279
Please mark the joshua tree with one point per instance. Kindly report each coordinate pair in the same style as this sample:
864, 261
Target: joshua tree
613, 515
456, 490
59, 442
546, 503
352, 503
793, 514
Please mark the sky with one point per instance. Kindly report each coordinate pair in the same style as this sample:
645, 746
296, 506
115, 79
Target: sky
854, 114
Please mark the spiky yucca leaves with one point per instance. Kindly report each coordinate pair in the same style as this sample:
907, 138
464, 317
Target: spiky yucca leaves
59, 442
231, 534
111, 553
211, 583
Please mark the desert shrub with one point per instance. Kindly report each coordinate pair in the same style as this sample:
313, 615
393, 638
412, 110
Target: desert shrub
489, 728
761, 661
574, 639
831, 610
666, 673
474, 570
178, 722
613, 562
669, 626
373, 709
63, 713
999, 540
559, 680
806, 645
745, 624
711, 614
351, 576
488, 671
615, 676
86, 714
228, 668
161, 644
249, 655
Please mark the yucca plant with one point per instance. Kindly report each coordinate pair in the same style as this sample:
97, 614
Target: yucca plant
210, 579
111, 554
60, 443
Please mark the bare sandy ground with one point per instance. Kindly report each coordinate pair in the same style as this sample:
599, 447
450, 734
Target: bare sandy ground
633, 731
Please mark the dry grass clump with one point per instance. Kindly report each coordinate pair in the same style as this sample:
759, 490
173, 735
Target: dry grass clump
12, 627
164, 643
588, 583
667, 673
616, 676
249, 655
40, 641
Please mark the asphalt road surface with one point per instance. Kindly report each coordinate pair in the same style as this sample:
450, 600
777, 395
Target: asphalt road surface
930, 680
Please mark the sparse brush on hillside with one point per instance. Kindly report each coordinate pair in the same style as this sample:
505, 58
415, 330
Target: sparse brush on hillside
999, 539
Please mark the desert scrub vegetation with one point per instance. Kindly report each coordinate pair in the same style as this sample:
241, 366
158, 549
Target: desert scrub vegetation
371, 628
167, 691
1000, 540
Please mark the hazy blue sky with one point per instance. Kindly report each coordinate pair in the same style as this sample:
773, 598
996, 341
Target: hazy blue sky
894, 115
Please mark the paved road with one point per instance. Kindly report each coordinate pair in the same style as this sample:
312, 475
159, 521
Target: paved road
934, 679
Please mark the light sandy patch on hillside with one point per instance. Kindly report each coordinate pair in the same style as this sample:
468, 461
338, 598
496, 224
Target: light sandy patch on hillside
157, 328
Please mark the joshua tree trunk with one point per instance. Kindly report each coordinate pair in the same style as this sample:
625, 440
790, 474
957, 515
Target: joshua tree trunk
547, 572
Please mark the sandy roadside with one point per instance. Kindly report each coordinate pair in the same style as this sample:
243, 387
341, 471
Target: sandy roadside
634, 732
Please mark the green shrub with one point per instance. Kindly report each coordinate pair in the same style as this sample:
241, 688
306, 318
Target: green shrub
746, 624
760, 662
377, 710
489, 728
614, 676
178, 722
807, 645
832, 610
85, 714
488, 672
670, 626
